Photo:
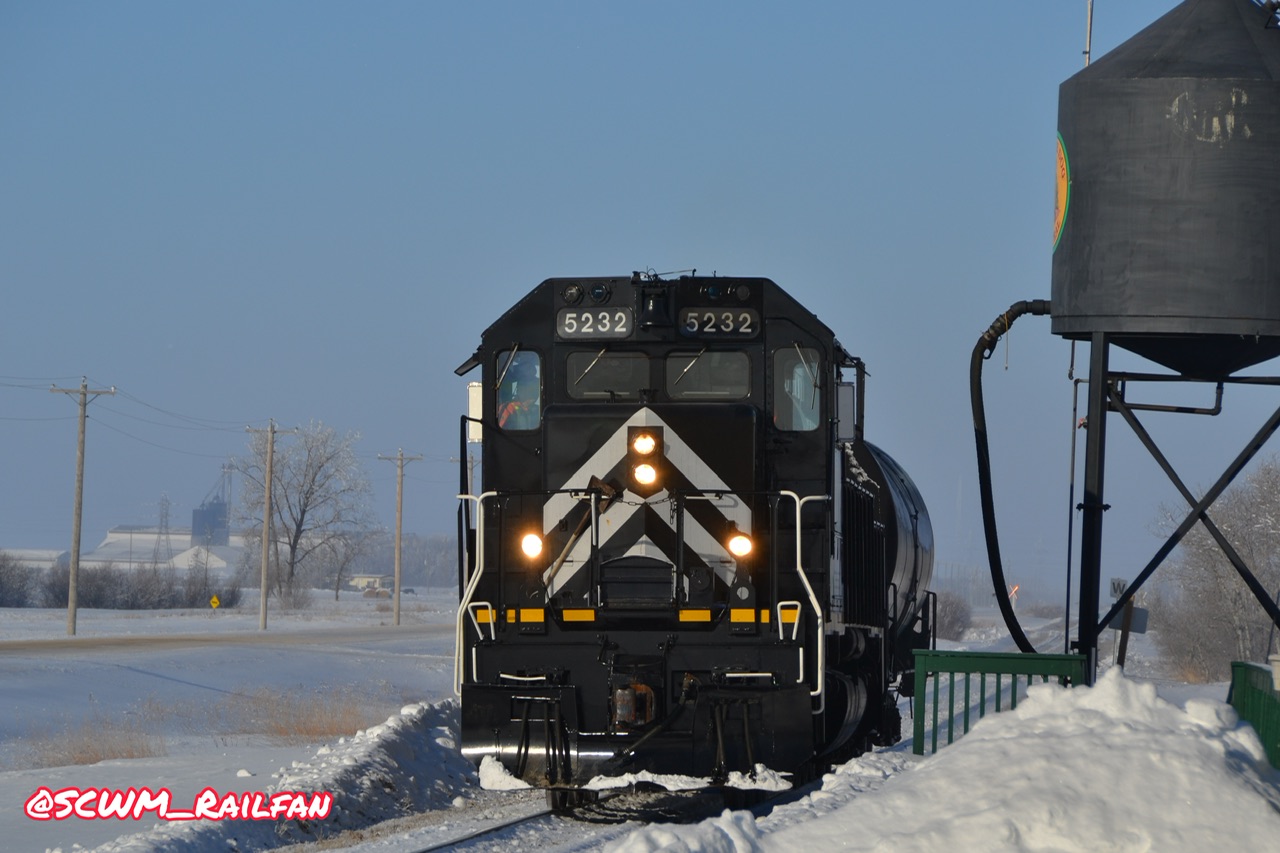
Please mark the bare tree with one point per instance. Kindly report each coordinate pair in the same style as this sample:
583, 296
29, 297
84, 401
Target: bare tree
440, 560
342, 554
428, 561
954, 616
320, 494
1203, 614
17, 582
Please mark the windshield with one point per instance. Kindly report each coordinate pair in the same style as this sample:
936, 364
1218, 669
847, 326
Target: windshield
605, 375
704, 375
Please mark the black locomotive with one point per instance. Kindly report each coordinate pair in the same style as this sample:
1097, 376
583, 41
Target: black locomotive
682, 556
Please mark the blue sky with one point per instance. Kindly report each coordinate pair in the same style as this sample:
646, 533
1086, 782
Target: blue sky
310, 211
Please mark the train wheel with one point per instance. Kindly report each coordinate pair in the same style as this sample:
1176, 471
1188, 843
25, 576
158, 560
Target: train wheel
562, 800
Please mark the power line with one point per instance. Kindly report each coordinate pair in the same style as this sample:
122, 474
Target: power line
189, 422
39, 382
140, 440
192, 419
35, 420
193, 428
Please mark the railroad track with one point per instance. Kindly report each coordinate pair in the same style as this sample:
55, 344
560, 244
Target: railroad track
616, 809
546, 815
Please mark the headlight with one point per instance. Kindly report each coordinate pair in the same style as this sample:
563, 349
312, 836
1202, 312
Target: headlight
531, 544
740, 545
645, 451
644, 443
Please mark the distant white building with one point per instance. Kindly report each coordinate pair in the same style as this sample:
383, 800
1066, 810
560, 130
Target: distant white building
140, 547
130, 546
37, 558
366, 581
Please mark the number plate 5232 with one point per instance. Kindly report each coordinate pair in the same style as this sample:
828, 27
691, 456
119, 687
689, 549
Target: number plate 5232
594, 323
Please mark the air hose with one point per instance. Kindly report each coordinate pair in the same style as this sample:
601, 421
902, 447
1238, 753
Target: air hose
981, 352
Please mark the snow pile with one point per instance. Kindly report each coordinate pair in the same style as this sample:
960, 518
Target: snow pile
735, 832
1111, 767
409, 763
668, 781
763, 779
494, 776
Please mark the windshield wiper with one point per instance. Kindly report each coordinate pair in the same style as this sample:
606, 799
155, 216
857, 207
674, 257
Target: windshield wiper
691, 363
584, 373
502, 374
813, 375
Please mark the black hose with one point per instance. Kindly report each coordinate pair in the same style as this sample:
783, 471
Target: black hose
687, 694
981, 352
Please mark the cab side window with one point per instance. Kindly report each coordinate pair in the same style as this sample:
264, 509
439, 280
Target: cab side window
519, 403
797, 394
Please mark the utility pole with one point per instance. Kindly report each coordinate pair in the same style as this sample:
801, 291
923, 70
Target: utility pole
271, 432
471, 462
74, 574
400, 459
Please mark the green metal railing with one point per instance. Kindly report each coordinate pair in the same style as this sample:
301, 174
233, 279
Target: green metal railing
1256, 700
1001, 677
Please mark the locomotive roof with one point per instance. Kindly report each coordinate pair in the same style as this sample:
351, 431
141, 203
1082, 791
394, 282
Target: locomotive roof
777, 301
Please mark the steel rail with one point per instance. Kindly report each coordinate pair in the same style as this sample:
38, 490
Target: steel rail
488, 830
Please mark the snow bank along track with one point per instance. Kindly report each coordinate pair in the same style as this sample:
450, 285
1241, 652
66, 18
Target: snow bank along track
638, 807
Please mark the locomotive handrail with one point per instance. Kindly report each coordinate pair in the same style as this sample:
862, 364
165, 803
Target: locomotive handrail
472, 583
795, 623
491, 619
813, 599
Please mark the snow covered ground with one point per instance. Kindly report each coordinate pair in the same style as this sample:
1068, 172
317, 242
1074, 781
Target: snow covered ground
1114, 767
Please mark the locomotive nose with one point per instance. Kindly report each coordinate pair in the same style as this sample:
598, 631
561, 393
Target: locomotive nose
671, 567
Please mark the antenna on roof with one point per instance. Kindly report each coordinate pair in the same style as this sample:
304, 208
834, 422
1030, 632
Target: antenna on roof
1088, 32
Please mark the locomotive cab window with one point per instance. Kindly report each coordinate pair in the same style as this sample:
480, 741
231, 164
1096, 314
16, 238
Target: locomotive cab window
519, 390
797, 393
606, 376
704, 375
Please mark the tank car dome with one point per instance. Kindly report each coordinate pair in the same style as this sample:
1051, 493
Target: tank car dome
1169, 192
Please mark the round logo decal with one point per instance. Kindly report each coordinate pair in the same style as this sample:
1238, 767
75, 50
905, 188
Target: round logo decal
1062, 192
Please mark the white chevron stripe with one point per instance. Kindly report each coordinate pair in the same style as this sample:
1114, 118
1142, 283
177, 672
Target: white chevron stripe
679, 455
